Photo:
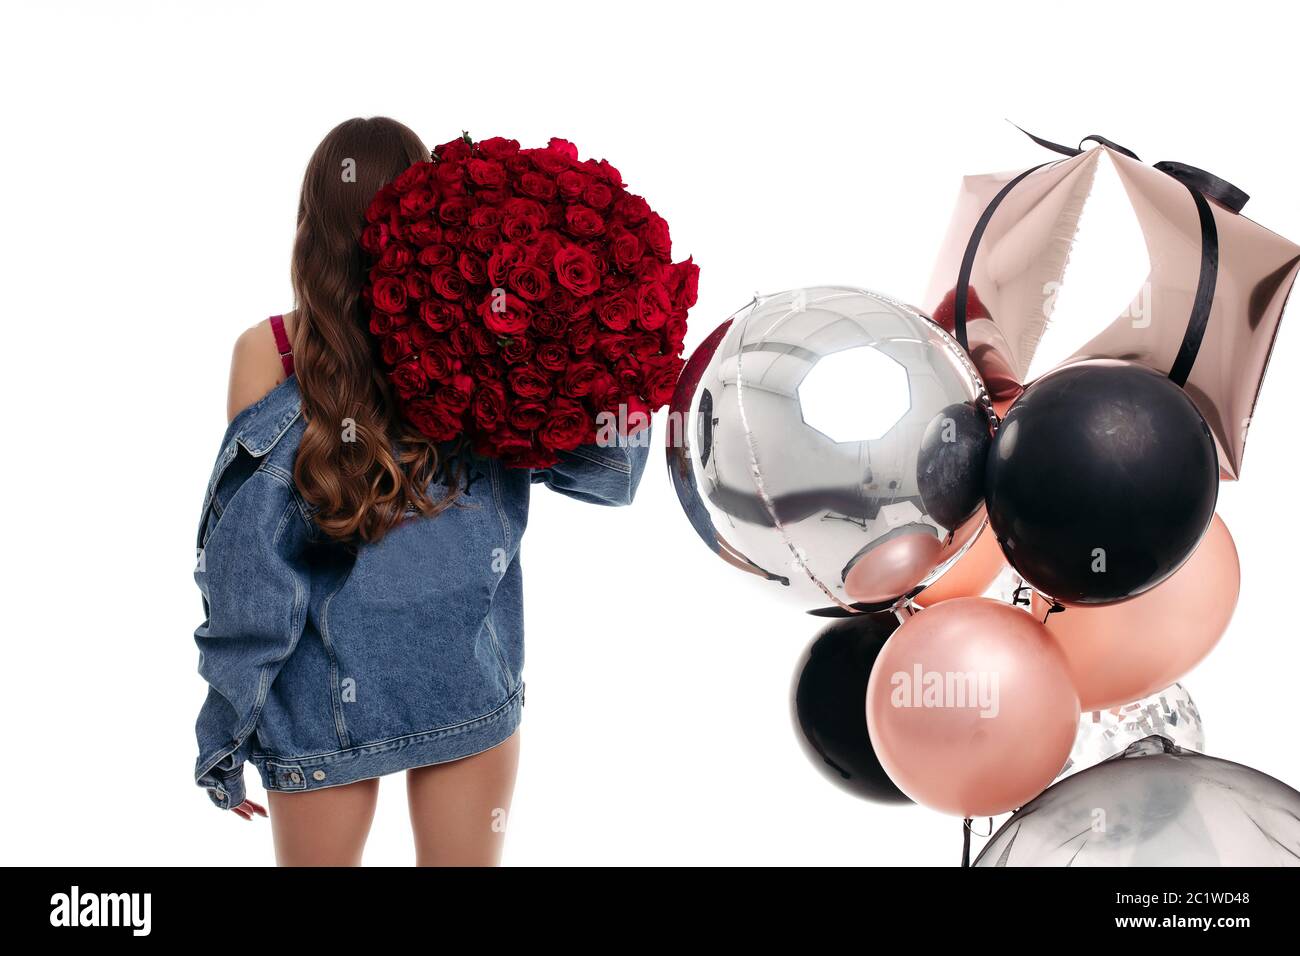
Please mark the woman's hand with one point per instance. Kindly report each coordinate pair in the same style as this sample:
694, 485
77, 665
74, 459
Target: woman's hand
248, 809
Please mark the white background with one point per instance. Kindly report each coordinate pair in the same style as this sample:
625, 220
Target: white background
151, 161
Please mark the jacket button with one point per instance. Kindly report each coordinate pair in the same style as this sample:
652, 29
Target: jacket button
296, 777
318, 775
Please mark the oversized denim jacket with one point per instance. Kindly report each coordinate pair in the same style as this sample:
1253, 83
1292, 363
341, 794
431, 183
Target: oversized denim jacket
328, 664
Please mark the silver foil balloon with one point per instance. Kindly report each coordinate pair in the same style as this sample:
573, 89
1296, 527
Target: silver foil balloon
1171, 713
1155, 804
832, 441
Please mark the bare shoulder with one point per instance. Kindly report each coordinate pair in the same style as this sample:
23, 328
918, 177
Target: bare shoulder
255, 367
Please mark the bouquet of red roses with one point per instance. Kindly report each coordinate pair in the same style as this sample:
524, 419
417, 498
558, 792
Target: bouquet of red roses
523, 298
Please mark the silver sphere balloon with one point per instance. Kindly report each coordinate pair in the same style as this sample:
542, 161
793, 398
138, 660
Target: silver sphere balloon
832, 441
1155, 804
1170, 713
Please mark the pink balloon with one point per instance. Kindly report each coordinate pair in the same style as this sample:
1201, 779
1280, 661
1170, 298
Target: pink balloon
1120, 653
970, 707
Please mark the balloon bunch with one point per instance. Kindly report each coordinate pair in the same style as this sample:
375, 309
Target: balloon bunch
841, 448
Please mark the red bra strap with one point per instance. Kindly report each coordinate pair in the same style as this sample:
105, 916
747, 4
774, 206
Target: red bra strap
282, 343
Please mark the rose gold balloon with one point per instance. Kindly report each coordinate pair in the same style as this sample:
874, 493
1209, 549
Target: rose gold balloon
972, 575
1120, 653
970, 707
894, 565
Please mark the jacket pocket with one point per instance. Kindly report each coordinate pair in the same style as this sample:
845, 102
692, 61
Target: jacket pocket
506, 672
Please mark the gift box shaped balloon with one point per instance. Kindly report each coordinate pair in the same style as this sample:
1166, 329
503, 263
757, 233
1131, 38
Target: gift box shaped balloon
1206, 315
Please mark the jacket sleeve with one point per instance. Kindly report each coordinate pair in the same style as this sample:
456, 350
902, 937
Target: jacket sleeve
255, 595
598, 474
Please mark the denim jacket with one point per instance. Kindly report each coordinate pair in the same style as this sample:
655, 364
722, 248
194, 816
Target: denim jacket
328, 664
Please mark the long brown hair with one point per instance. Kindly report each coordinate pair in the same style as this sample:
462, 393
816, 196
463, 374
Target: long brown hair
358, 462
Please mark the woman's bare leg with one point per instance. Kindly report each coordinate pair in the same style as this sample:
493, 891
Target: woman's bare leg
323, 827
459, 809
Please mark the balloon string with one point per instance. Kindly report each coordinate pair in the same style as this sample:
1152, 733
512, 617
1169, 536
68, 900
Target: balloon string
965, 839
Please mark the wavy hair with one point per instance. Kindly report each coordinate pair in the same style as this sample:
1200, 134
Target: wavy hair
359, 463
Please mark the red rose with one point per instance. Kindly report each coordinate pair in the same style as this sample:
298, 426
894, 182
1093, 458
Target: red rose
485, 172
456, 393
598, 195
408, 378
552, 356
627, 249
498, 148
433, 420
579, 379
489, 405
438, 254
483, 340
417, 203
438, 362
413, 176
582, 336
504, 314
421, 233
545, 246
448, 282
583, 221
457, 149
538, 186
484, 217
632, 208
655, 234
389, 294
529, 383
530, 282
550, 323
563, 148
613, 347
381, 323
566, 426
516, 349
417, 285
395, 347
674, 332
374, 238
615, 312
527, 416
577, 271
504, 258
550, 163
684, 284
652, 306
483, 241
441, 316
472, 268
571, 183
454, 211
659, 378
646, 346
507, 443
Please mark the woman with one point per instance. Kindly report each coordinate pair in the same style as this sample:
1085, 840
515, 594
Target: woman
362, 586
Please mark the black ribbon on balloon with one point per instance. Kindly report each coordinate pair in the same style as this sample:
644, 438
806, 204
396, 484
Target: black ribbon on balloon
1199, 183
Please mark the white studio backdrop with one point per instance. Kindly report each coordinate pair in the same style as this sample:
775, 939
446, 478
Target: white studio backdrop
152, 156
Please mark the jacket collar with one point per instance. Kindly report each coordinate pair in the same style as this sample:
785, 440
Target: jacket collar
258, 427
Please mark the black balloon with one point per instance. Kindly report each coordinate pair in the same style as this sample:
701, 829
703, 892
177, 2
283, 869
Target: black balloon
829, 705
950, 464
1101, 482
